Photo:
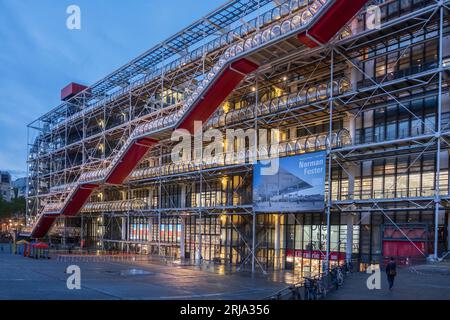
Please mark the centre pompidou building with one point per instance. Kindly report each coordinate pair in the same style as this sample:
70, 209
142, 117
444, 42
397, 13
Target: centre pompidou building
357, 93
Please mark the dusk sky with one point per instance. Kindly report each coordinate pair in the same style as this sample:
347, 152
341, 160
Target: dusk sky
39, 55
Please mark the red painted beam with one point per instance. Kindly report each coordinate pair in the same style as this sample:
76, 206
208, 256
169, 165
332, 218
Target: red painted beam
310, 43
79, 198
129, 160
43, 225
333, 20
244, 66
217, 93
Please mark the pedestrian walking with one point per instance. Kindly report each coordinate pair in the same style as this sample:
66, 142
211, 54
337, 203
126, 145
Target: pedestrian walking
391, 272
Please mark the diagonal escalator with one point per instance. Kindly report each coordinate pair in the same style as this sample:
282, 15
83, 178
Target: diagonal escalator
315, 24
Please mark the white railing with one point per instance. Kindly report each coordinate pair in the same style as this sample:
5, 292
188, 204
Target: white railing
306, 96
121, 205
300, 145
56, 207
63, 188
52, 207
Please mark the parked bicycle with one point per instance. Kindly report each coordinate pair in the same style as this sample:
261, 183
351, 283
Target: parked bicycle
310, 289
321, 288
295, 293
315, 288
337, 277
347, 268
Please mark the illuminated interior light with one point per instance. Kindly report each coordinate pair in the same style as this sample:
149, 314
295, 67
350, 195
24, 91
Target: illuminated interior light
226, 107
224, 182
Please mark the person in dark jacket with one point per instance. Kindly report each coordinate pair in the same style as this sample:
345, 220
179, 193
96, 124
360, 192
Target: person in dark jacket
391, 272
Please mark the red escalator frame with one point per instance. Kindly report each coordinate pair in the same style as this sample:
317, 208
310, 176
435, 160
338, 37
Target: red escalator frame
333, 20
130, 159
79, 198
77, 201
217, 93
44, 223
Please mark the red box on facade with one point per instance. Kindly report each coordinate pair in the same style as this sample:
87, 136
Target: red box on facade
71, 90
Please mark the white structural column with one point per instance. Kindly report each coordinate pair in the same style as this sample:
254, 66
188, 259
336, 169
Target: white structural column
330, 164
437, 195
351, 170
81, 231
349, 219
277, 244
445, 156
199, 232
351, 182
183, 196
198, 251
183, 223
254, 241
127, 233
150, 230
182, 237
150, 199
124, 228
350, 124
448, 232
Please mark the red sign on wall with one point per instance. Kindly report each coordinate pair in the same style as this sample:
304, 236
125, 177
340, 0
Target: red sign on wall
315, 254
403, 249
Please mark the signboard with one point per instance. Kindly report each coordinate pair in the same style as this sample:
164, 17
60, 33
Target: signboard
315, 254
298, 185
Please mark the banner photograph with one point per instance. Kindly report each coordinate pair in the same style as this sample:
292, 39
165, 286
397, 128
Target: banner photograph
298, 185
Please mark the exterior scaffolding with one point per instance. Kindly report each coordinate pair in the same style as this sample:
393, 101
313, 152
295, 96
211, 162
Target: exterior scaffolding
355, 97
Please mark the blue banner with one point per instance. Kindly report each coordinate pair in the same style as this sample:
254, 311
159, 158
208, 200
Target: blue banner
298, 185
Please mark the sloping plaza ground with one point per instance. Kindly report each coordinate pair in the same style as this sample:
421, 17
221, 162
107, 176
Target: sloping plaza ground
424, 282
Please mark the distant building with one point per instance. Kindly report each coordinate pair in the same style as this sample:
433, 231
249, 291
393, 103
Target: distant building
19, 188
5, 185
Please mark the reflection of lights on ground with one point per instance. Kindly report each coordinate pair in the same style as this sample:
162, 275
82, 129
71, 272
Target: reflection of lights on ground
134, 272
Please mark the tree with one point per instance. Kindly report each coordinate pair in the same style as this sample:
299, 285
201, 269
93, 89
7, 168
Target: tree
5, 209
15, 192
15, 208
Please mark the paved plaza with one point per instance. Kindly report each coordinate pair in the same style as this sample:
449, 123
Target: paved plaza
26, 278
424, 282
106, 278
